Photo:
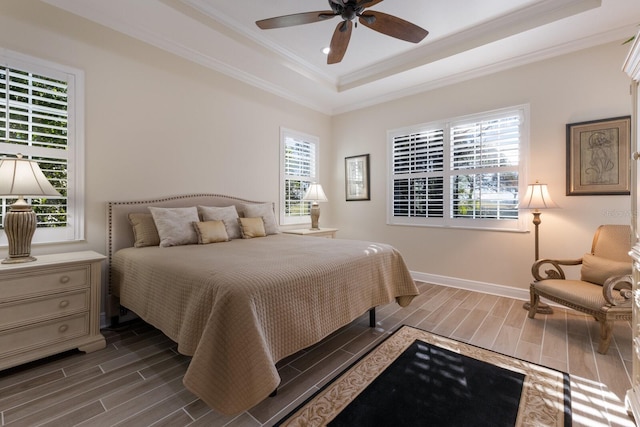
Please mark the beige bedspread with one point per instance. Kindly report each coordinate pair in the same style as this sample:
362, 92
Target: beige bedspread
240, 306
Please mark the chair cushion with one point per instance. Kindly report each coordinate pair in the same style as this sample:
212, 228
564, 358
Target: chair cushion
597, 269
577, 292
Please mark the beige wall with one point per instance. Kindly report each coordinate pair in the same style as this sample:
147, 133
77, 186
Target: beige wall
159, 125
582, 86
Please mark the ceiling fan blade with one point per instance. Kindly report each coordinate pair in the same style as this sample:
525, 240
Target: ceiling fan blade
339, 42
368, 3
295, 19
393, 26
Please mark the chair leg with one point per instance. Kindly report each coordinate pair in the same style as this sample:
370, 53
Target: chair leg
606, 332
533, 307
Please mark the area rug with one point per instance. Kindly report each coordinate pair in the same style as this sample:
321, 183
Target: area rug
416, 378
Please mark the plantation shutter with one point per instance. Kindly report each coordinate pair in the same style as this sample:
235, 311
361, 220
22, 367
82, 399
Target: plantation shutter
461, 172
484, 165
418, 165
299, 171
41, 117
34, 121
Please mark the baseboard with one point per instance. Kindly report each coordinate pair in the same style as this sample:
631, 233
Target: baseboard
470, 285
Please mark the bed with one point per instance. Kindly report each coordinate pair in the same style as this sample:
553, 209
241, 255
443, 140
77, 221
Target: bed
239, 306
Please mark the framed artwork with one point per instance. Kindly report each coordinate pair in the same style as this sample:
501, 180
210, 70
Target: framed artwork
598, 157
356, 177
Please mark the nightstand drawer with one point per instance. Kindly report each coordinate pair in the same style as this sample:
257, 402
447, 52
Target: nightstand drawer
43, 281
17, 340
17, 313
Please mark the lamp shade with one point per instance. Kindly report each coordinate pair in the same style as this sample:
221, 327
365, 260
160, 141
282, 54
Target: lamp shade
537, 197
315, 194
23, 177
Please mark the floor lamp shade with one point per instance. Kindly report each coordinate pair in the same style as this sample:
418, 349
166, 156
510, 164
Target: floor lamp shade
537, 197
314, 195
21, 177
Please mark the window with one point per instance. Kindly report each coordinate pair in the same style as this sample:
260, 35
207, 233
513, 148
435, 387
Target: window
462, 172
299, 168
41, 118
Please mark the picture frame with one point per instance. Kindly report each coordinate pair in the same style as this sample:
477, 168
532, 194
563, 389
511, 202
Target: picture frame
598, 157
356, 178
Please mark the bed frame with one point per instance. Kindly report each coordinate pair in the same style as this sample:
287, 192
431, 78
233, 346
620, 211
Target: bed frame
120, 233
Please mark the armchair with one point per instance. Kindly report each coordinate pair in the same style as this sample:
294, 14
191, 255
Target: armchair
604, 288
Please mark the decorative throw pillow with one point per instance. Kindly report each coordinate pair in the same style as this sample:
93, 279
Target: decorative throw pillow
252, 227
597, 269
264, 210
145, 232
211, 232
174, 225
228, 215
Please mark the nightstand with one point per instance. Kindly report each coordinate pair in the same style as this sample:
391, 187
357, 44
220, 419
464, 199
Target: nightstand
329, 233
49, 306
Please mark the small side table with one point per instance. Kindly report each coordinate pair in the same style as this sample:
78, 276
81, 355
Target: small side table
329, 233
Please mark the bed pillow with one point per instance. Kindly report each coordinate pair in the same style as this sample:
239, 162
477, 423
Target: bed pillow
145, 232
228, 215
174, 225
251, 227
597, 269
264, 210
211, 232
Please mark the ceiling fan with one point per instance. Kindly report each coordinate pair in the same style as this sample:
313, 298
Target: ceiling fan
348, 10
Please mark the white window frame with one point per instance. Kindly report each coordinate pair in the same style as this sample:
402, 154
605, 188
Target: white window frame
447, 221
74, 154
286, 134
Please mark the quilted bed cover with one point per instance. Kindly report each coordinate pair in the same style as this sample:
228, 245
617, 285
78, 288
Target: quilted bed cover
238, 307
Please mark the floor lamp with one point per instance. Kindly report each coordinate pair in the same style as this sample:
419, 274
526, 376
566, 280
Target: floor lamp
537, 197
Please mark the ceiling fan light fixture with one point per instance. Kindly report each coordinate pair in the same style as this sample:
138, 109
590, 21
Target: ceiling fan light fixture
326, 50
349, 10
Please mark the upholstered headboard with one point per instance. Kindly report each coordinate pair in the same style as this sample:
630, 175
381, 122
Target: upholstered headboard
120, 233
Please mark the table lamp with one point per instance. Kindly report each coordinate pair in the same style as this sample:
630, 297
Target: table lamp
21, 177
314, 195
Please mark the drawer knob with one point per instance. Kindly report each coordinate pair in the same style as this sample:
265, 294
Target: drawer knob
63, 328
64, 303
65, 279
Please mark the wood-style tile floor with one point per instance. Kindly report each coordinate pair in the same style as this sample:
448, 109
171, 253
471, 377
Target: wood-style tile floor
136, 380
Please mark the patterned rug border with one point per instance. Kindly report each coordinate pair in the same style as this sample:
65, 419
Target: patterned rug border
545, 399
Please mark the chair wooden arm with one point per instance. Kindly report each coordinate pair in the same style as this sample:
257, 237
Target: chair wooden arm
617, 290
556, 271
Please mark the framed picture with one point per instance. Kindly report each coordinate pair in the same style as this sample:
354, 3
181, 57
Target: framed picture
356, 177
598, 156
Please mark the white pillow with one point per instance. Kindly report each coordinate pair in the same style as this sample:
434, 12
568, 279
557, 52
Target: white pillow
228, 215
264, 210
175, 225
